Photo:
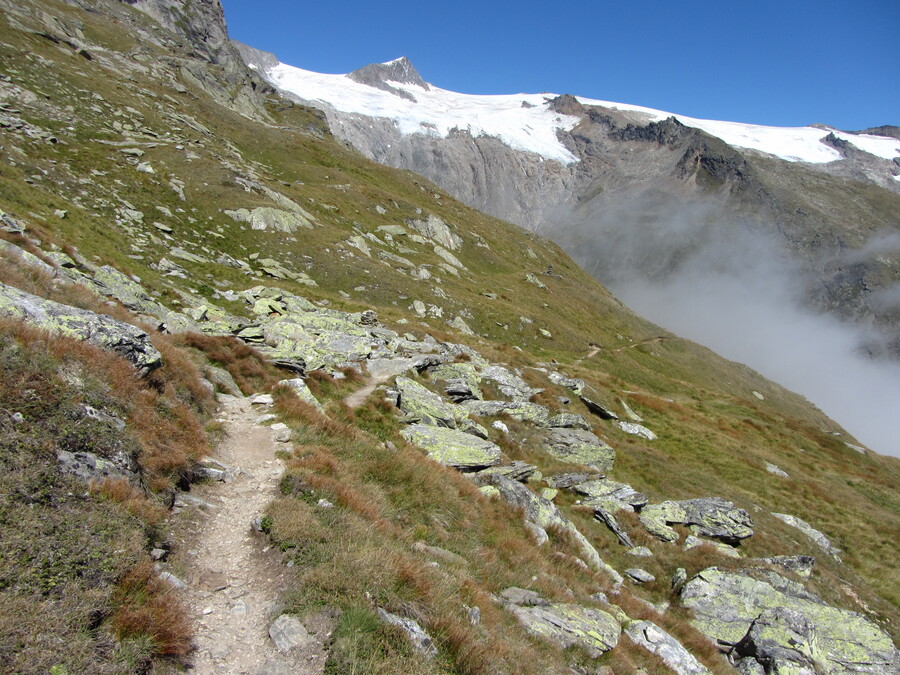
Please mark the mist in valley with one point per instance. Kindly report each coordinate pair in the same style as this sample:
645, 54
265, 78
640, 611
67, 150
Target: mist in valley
723, 282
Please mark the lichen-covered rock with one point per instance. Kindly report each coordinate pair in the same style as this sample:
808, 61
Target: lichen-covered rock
580, 447
636, 429
90, 467
801, 565
657, 641
610, 495
707, 516
727, 604
427, 406
510, 384
112, 283
437, 231
520, 410
817, 537
601, 411
568, 624
568, 421
572, 383
639, 575
100, 330
517, 470
298, 385
693, 542
452, 447
546, 514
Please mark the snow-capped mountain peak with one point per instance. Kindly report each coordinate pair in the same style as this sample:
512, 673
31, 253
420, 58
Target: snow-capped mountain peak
395, 91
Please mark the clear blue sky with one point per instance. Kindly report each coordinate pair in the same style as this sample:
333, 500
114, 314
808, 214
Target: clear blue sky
784, 63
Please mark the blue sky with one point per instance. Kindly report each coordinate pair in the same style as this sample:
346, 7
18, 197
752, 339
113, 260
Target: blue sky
785, 63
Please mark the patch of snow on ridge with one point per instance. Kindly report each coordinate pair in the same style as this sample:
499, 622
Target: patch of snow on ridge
880, 146
525, 122
531, 128
794, 144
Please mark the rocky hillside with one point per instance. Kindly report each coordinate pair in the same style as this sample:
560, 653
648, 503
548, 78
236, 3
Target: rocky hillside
828, 200
477, 459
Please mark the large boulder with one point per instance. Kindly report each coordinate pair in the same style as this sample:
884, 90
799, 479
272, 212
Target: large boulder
657, 641
568, 624
100, 330
511, 385
452, 447
777, 621
580, 447
707, 516
426, 406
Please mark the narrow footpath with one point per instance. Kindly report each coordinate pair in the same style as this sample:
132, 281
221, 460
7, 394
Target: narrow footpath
235, 582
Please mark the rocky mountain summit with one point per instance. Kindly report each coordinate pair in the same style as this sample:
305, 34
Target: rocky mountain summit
268, 406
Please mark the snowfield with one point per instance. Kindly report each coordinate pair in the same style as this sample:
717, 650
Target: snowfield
525, 122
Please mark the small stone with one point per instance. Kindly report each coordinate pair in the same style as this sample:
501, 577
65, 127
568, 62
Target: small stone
262, 419
158, 553
496, 424
262, 399
287, 633
324, 504
679, 578
641, 552
639, 575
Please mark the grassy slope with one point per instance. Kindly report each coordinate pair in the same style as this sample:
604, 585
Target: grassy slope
714, 435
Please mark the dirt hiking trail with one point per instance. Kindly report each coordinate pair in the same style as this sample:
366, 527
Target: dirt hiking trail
235, 582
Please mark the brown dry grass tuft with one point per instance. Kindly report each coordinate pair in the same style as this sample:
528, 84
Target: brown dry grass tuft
249, 368
148, 606
132, 499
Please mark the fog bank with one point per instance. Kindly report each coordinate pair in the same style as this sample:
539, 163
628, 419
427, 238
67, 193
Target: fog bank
726, 285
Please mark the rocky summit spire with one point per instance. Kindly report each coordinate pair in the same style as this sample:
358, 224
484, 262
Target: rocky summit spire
399, 70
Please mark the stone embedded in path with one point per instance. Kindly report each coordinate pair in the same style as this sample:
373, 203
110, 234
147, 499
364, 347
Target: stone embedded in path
452, 447
287, 633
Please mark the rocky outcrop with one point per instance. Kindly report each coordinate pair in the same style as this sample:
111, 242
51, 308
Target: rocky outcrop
545, 514
580, 447
657, 641
817, 537
100, 330
709, 517
781, 625
567, 624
